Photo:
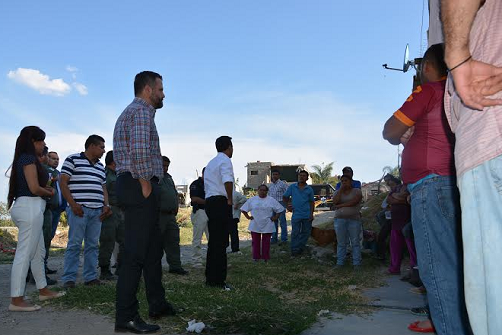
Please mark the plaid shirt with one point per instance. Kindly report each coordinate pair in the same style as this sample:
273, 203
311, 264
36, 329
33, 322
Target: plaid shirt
276, 190
136, 146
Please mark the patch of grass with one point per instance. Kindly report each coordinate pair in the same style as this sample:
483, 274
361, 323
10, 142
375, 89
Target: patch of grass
282, 296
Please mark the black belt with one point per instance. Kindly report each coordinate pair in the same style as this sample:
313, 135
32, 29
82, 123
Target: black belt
154, 179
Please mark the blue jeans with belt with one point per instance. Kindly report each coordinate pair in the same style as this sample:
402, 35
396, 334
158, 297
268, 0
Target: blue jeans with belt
435, 210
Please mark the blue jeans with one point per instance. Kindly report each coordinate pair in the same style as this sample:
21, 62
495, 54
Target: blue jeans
300, 233
481, 199
435, 211
347, 229
284, 227
87, 229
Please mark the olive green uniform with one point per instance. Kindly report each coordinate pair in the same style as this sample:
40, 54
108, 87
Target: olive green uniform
112, 228
167, 221
51, 204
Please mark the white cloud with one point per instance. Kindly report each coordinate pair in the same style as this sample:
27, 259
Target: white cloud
70, 68
40, 82
81, 88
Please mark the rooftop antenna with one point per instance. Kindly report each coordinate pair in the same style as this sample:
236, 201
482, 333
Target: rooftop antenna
407, 63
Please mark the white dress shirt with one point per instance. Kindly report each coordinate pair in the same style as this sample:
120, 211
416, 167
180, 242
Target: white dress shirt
218, 172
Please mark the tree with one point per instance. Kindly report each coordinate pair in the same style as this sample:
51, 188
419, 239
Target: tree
322, 173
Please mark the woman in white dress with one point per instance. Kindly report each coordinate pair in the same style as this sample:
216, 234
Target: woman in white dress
264, 211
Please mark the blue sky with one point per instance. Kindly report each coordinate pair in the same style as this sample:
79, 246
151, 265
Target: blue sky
290, 81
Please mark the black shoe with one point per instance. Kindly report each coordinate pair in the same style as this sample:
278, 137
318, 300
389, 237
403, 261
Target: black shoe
50, 271
50, 281
94, 282
69, 284
167, 311
420, 311
107, 275
136, 326
179, 271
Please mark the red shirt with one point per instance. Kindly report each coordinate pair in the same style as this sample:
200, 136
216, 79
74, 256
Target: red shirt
430, 148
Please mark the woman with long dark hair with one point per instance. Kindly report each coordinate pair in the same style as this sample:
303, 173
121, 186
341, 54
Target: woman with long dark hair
27, 186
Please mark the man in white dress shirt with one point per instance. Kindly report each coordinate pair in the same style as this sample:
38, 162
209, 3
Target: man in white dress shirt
219, 187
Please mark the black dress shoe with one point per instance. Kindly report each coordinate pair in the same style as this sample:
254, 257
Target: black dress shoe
136, 326
50, 271
50, 281
179, 271
167, 311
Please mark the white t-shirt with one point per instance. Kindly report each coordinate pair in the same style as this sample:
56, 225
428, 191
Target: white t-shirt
262, 209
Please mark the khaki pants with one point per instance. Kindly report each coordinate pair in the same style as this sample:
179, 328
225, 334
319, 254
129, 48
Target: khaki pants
199, 222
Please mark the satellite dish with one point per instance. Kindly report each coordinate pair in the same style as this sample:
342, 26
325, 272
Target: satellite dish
406, 62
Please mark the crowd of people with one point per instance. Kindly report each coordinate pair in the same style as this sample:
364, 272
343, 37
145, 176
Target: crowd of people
451, 166
449, 196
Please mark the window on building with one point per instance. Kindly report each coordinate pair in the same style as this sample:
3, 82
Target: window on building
254, 173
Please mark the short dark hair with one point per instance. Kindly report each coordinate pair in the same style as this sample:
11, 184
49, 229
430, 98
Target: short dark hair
143, 79
263, 185
276, 171
165, 159
93, 139
109, 157
46, 151
347, 168
52, 152
393, 178
435, 56
303, 171
223, 143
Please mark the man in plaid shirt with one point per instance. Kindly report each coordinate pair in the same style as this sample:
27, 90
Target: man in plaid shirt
139, 168
276, 190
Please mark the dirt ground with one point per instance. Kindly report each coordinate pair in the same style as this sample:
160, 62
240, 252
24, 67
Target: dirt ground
50, 321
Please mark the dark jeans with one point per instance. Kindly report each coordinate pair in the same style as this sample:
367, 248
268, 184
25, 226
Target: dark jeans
219, 214
142, 252
233, 234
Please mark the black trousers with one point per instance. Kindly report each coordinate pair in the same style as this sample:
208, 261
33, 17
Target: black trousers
142, 249
219, 214
385, 229
233, 234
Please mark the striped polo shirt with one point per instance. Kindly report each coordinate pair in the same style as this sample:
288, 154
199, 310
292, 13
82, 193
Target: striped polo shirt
86, 180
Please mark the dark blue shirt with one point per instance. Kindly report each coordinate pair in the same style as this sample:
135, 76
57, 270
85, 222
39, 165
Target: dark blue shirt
355, 184
22, 185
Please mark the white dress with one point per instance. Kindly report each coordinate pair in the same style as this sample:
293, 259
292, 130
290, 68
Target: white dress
262, 209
